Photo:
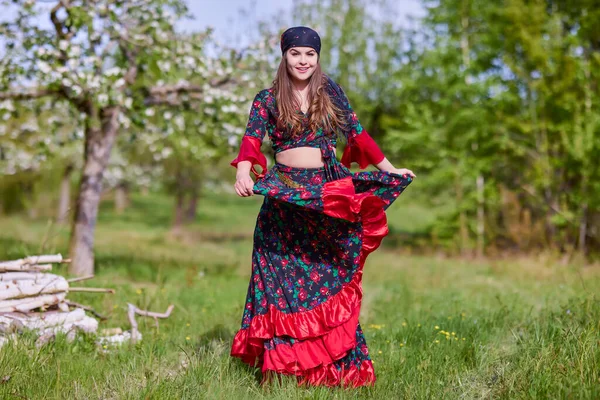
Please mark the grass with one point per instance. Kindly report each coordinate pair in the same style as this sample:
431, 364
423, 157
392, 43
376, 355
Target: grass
436, 328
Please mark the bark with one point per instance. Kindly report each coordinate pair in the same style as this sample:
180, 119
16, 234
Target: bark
179, 212
64, 200
480, 216
18, 289
190, 214
462, 218
121, 197
98, 144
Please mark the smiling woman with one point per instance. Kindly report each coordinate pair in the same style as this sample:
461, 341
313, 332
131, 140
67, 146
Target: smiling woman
316, 227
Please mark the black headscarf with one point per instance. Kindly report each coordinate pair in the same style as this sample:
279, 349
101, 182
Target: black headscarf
300, 36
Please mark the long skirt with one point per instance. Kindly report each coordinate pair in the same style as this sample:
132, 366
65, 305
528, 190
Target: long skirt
311, 240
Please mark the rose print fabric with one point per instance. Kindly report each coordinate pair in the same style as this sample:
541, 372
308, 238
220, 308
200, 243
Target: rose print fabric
312, 236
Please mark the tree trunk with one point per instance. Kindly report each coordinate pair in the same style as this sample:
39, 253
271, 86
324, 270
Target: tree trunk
98, 144
179, 212
64, 200
190, 214
121, 197
462, 218
480, 216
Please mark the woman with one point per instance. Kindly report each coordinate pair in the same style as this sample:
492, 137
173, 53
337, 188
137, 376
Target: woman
317, 224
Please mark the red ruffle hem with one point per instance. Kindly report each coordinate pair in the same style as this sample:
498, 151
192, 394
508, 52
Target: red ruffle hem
327, 332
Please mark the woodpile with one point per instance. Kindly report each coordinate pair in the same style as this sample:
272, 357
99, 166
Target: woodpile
33, 299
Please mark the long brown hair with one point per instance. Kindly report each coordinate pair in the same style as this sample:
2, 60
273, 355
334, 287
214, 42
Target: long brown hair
322, 112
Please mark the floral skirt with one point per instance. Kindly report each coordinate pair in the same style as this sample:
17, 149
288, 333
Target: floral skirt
311, 240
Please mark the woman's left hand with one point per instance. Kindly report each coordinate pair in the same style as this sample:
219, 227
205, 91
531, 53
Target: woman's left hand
403, 171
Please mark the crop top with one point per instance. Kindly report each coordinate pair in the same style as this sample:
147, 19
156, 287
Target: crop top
360, 148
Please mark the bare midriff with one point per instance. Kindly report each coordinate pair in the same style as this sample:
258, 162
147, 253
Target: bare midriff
300, 157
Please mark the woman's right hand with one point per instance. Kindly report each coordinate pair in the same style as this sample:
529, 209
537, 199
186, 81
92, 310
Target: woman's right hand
243, 184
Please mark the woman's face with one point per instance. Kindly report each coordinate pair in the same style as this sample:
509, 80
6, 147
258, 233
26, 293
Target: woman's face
301, 62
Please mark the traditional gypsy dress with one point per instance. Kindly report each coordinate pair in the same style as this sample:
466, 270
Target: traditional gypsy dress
314, 231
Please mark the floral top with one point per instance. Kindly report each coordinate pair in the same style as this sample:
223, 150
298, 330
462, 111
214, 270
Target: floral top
263, 119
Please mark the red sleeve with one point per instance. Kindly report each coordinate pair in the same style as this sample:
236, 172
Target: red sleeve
258, 124
362, 150
250, 151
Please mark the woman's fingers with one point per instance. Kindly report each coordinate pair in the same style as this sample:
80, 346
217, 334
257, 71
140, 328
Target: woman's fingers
244, 188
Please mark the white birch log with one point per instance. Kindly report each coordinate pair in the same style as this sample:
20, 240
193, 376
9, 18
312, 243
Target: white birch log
86, 324
49, 283
18, 276
31, 303
32, 263
26, 267
35, 321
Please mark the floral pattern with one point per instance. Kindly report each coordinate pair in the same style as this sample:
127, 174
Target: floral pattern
302, 257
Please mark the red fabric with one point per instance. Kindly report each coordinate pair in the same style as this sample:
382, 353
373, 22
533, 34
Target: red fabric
363, 150
328, 375
313, 352
328, 331
250, 151
341, 201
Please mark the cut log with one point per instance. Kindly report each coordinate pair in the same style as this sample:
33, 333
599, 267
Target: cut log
33, 321
26, 267
47, 284
86, 324
18, 276
31, 303
31, 263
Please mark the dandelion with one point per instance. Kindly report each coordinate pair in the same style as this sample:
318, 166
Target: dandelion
463, 314
401, 344
379, 352
105, 347
404, 324
187, 338
437, 327
419, 325
376, 326
453, 333
464, 339
188, 324
139, 291
436, 341
455, 338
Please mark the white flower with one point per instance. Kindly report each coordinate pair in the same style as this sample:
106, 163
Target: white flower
149, 112
63, 44
114, 71
44, 67
119, 82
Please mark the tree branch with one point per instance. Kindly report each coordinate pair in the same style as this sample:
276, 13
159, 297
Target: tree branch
27, 94
58, 24
167, 94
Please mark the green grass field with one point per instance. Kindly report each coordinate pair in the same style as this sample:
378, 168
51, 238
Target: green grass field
437, 328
